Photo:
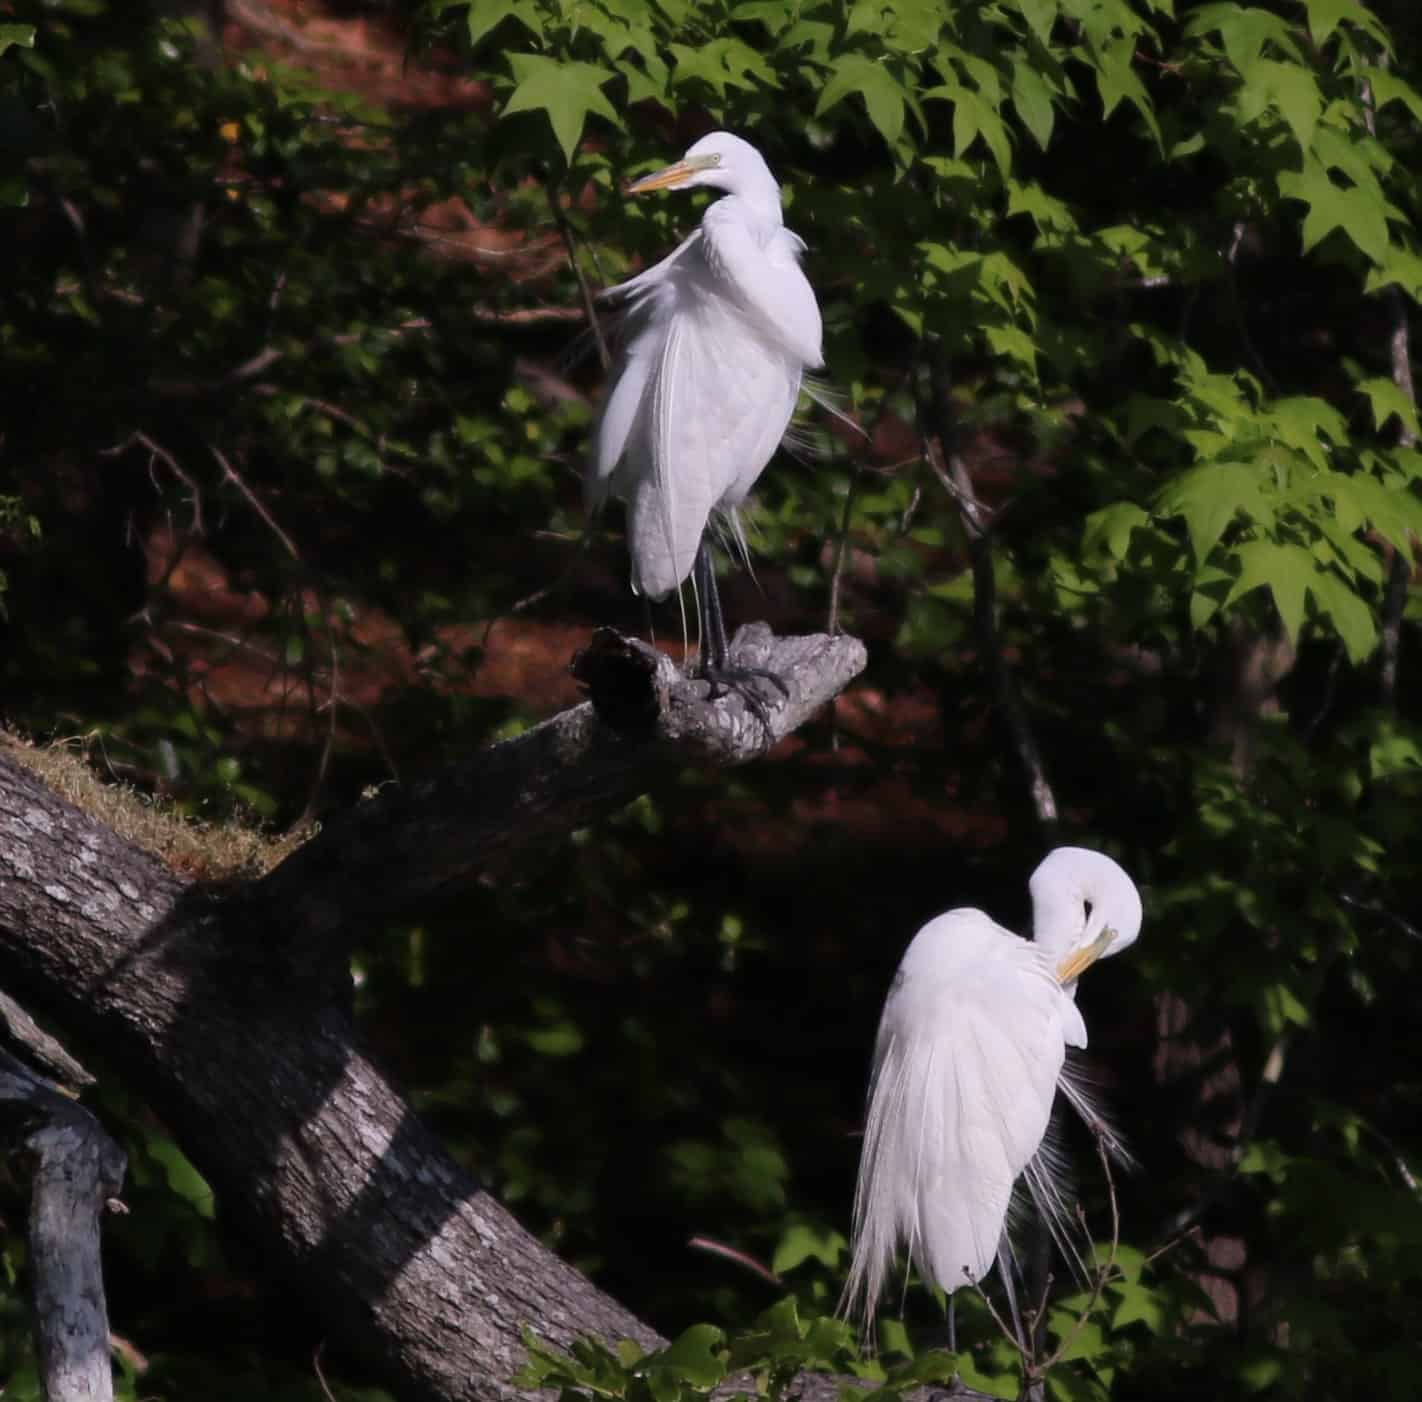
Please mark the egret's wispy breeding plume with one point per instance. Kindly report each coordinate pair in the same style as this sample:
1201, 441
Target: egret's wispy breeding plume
969, 1056
716, 339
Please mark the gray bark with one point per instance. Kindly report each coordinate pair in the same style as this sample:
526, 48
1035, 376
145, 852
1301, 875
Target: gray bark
75, 1169
229, 1009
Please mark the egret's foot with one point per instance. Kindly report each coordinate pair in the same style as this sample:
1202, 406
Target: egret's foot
743, 681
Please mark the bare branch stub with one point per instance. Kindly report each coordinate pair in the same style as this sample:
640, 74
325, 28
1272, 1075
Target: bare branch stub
76, 1169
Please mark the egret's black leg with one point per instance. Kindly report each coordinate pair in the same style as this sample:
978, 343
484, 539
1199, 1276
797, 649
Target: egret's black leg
952, 1324
715, 664
715, 650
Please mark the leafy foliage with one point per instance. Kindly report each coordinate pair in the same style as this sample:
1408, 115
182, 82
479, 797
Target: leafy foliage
299, 425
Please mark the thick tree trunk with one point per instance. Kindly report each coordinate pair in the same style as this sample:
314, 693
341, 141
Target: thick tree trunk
229, 1009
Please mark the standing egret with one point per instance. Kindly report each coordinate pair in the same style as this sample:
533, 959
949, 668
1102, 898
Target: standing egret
969, 1056
716, 341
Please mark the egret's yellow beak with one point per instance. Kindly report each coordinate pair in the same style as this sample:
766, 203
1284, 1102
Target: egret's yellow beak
673, 175
1074, 965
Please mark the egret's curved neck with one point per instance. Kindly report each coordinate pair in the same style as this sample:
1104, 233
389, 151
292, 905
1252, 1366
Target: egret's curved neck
760, 196
1058, 919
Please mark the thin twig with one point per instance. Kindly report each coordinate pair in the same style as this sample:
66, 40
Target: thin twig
324, 407
230, 474
1237, 306
157, 452
565, 230
730, 1253
1405, 926
1399, 575
841, 551
547, 591
1003, 1328
333, 714
977, 525
249, 369
320, 1376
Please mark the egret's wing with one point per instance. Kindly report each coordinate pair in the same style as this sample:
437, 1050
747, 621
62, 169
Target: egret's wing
645, 306
719, 396
628, 402
765, 280
659, 272
671, 497
1004, 1041
969, 1050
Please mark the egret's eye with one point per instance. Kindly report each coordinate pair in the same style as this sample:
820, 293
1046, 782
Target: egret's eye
714, 159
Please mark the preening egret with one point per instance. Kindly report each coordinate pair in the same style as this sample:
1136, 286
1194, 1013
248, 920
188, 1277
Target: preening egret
970, 1054
716, 339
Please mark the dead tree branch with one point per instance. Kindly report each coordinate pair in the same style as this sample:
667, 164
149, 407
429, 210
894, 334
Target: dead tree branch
215, 1007
75, 1169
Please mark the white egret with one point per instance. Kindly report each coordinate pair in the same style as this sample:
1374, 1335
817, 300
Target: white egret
970, 1053
716, 340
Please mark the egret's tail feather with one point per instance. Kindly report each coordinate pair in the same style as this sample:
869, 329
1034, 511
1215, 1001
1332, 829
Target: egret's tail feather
1081, 1094
1051, 1192
730, 530
830, 399
1008, 1273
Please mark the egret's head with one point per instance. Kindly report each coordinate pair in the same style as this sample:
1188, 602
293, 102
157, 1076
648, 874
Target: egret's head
1084, 908
719, 160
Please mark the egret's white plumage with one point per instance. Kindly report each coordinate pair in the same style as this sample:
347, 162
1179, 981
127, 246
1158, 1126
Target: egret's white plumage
969, 1056
716, 341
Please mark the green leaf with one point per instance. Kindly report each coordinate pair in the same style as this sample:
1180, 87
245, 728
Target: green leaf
1352, 619
1032, 98
1282, 1009
1293, 91
1401, 268
884, 96
1139, 1304
1388, 399
1285, 570
691, 1357
1014, 342
1040, 15
721, 64
182, 1177
567, 92
803, 1243
13, 34
1048, 214
1324, 17
972, 118
1388, 87
1393, 754
485, 15
1393, 514
1117, 82
1264, 1156
1355, 211
1209, 497
1111, 528
1244, 30
1087, 1342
